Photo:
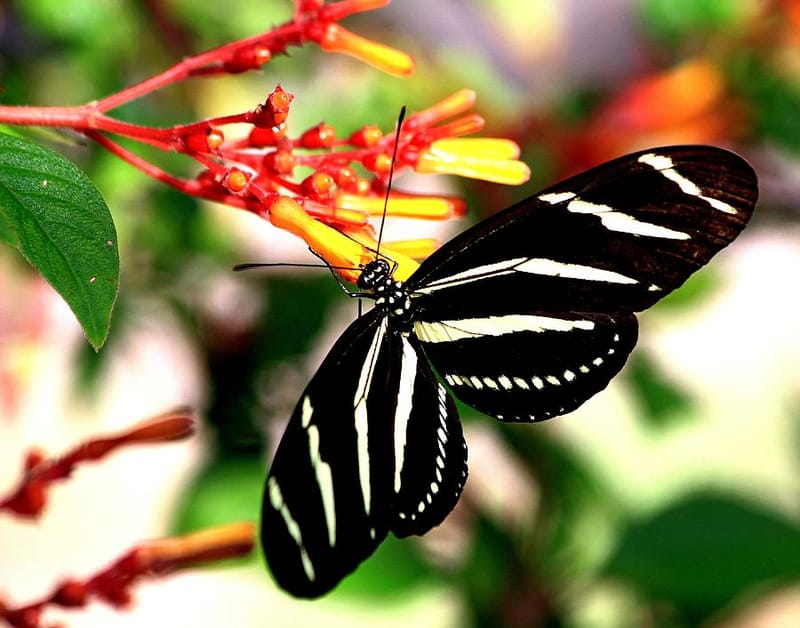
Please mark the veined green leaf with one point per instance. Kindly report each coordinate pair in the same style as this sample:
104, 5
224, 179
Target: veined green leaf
53, 214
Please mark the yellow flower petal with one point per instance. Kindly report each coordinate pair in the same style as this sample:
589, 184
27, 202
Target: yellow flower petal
483, 147
415, 249
508, 171
347, 253
428, 207
451, 106
390, 60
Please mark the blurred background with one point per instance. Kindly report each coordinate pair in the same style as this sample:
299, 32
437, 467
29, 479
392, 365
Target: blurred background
670, 499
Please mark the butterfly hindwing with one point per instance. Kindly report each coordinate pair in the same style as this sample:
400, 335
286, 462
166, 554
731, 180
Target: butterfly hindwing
530, 312
528, 367
374, 445
430, 452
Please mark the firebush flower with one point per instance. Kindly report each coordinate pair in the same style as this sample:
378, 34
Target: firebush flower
319, 184
330, 208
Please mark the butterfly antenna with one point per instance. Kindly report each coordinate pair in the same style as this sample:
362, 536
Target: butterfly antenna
250, 265
400, 119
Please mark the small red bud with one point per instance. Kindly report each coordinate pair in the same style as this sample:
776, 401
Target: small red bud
366, 137
379, 163
363, 186
266, 136
236, 180
319, 185
208, 141
280, 161
33, 459
321, 136
248, 59
215, 139
275, 110
71, 593
346, 178
31, 501
24, 618
279, 101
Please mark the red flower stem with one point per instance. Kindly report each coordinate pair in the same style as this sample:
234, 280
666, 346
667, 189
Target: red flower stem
251, 203
28, 499
148, 168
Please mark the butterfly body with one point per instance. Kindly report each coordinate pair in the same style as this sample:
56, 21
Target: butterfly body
524, 316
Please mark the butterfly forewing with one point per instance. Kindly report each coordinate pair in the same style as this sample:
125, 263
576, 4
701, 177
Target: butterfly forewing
373, 445
530, 312
618, 237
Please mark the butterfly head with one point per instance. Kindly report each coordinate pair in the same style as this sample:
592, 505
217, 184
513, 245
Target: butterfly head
390, 295
374, 274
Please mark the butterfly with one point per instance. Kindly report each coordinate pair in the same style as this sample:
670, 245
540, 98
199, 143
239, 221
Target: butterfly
523, 316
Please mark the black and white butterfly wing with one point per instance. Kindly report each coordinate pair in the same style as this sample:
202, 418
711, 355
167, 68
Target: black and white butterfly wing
530, 312
374, 445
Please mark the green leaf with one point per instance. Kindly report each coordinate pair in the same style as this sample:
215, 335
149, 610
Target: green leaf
661, 401
8, 235
705, 551
227, 490
53, 214
395, 569
773, 99
675, 20
691, 294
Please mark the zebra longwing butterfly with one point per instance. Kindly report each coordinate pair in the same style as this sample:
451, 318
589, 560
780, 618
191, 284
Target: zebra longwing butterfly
525, 316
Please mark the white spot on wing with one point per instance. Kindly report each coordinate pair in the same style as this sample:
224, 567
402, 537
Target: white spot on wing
623, 223
537, 266
665, 166
452, 330
276, 501
360, 413
554, 198
473, 274
324, 481
402, 413
552, 268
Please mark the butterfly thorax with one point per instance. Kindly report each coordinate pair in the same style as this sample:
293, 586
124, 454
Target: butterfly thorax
390, 295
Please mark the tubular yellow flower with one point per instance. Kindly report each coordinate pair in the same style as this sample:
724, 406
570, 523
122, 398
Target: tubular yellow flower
415, 249
390, 60
465, 157
405, 264
348, 253
224, 541
427, 207
335, 247
486, 147
453, 105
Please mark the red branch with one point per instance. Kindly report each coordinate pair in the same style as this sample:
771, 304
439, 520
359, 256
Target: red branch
30, 496
147, 559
